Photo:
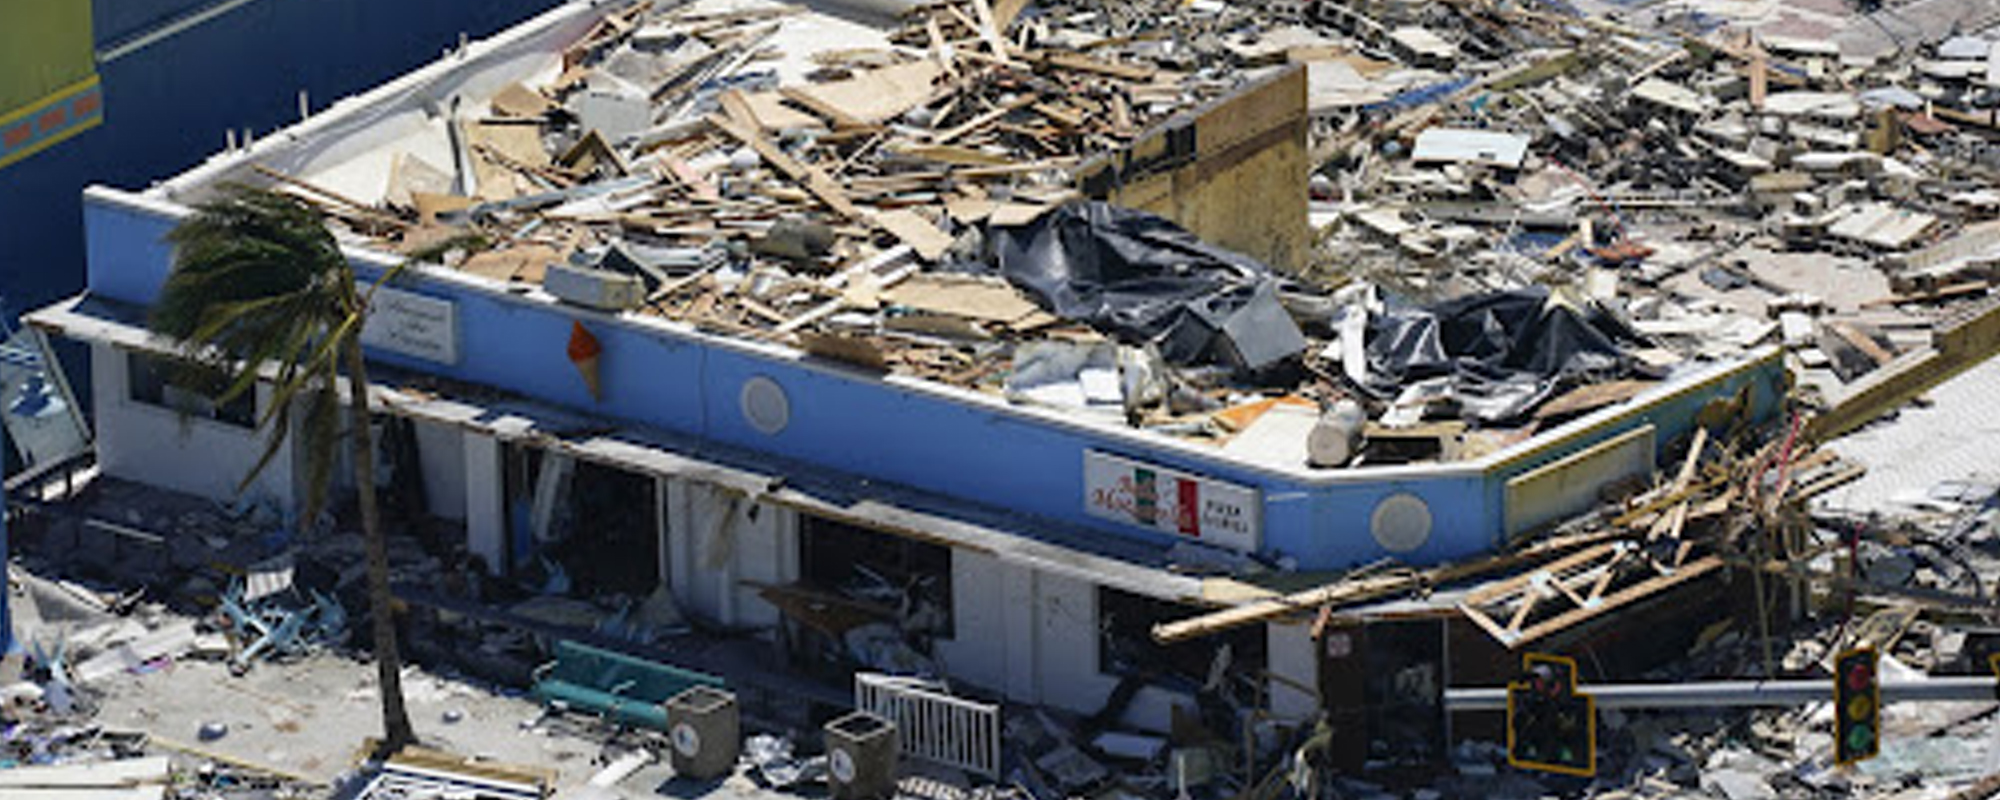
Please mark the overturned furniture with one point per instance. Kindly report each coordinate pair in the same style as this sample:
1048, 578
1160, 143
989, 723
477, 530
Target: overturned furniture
623, 688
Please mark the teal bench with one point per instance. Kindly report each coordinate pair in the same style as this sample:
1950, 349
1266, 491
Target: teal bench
620, 687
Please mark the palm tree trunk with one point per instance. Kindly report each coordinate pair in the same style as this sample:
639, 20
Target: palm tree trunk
396, 730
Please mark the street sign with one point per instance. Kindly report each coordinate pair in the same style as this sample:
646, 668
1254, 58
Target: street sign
1551, 726
1857, 706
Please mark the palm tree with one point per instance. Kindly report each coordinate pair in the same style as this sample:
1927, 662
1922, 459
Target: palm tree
259, 287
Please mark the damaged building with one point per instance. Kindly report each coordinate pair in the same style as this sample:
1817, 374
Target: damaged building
1166, 372
782, 475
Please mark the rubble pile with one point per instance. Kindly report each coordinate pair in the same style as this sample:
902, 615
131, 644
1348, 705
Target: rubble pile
1673, 189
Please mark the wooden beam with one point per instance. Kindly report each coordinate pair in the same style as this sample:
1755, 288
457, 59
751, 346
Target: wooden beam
835, 114
810, 177
1628, 595
1361, 590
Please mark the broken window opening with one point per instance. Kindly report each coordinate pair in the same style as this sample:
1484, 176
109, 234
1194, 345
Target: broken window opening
580, 529
865, 600
184, 388
1125, 644
910, 578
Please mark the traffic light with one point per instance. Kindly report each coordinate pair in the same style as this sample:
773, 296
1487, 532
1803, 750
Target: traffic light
1550, 726
1857, 706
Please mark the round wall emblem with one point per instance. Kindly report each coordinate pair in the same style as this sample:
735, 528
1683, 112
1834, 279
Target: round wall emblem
765, 405
1401, 523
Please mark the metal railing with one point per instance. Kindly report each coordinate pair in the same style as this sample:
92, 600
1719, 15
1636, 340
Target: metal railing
932, 725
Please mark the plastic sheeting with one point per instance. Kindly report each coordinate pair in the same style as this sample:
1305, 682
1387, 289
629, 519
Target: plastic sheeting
1502, 353
1144, 279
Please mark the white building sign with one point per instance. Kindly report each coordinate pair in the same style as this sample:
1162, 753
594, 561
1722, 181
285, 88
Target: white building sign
411, 324
1149, 496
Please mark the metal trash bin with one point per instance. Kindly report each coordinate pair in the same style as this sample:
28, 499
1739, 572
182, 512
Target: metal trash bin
706, 729
861, 757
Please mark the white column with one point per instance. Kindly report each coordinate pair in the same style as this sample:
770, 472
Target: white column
1291, 653
485, 501
1019, 614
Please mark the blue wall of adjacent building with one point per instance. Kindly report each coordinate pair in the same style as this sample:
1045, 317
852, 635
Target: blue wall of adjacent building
166, 106
6, 614
861, 425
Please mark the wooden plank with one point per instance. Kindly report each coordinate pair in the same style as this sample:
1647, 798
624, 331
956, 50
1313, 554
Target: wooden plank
984, 119
1361, 590
1621, 598
806, 175
915, 231
1083, 63
1862, 342
1686, 475
875, 96
833, 113
738, 109
989, 32
1060, 115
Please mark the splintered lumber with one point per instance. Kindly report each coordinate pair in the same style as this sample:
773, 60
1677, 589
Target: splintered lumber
989, 31
1361, 590
984, 119
370, 212
815, 181
915, 231
1354, 591
1083, 63
1517, 632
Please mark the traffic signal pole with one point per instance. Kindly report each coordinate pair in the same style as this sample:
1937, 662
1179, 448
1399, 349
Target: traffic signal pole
1739, 694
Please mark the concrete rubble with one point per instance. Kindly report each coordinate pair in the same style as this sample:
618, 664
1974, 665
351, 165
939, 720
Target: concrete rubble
1519, 213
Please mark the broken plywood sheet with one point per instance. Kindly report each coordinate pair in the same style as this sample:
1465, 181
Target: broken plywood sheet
973, 297
1883, 225
877, 96
1335, 84
1464, 146
516, 100
494, 145
916, 231
526, 262
1673, 96
1976, 246
409, 175
772, 114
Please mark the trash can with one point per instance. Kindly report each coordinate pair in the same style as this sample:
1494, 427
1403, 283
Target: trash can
861, 757
706, 729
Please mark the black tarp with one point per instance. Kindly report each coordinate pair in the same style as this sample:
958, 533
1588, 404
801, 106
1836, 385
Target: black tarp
1503, 352
1144, 279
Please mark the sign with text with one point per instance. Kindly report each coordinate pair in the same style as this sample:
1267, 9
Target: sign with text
1136, 493
412, 324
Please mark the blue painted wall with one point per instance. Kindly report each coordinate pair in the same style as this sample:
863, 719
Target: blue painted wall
166, 106
874, 430
6, 616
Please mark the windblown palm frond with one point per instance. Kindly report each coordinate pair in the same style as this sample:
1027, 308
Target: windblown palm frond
259, 284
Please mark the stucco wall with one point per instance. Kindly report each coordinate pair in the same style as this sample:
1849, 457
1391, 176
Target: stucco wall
157, 446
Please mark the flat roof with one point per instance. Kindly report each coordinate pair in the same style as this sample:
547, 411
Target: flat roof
678, 183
